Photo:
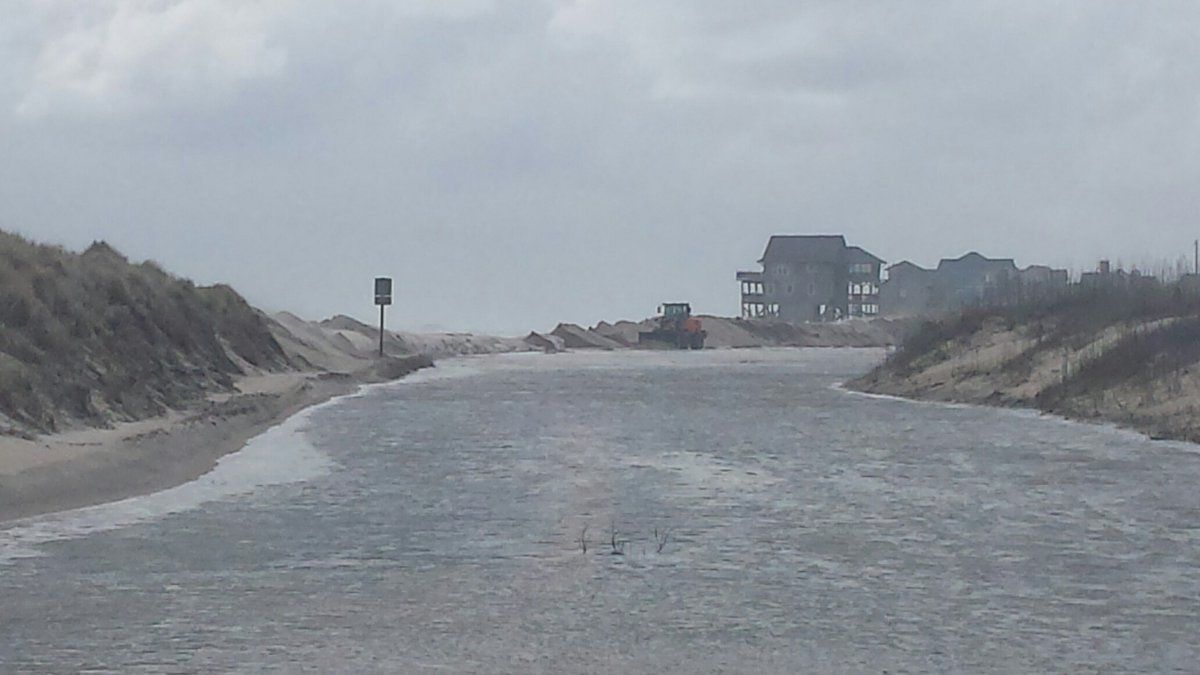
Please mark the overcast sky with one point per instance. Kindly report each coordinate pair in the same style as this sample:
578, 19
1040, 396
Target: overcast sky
513, 164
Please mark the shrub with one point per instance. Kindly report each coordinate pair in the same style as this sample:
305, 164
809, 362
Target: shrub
1139, 358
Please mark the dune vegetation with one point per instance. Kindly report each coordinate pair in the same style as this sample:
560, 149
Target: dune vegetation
1129, 355
92, 339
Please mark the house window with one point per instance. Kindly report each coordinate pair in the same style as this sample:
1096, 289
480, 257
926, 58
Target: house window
861, 268
812, 288
789, 289
782, 270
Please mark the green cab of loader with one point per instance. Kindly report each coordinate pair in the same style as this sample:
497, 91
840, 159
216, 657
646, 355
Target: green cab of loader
674, 310
676, 327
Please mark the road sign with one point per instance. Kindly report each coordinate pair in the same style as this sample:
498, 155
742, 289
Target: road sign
383, 298
383, 291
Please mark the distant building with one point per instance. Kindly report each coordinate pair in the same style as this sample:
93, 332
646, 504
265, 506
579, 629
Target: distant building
1042, 275
910, 290
812, 278
1102, 276
863, 272
1106, 277
821, 278
754, 296
1041, 281
969, 280
975, 279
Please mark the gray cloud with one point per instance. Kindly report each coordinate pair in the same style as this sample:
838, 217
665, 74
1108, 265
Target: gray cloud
517, 163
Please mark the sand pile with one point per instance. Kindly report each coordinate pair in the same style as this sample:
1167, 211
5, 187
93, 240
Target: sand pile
725, 333
578, 337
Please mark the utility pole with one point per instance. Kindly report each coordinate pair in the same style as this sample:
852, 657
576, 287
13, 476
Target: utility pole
1197, 268
383, 298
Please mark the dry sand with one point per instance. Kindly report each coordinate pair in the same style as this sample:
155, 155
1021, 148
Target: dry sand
82, 468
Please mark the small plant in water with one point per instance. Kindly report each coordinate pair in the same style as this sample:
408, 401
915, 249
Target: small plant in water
618, 547
660, 540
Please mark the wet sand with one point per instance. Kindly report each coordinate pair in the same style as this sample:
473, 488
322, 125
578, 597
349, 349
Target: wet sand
81, 468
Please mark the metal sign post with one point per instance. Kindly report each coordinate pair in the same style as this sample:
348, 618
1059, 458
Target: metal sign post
383, 298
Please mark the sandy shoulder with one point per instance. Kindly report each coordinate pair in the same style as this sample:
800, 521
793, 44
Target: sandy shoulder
92, 466
17, 454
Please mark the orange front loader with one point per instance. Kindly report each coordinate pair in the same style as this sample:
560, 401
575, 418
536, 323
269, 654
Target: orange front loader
676, 327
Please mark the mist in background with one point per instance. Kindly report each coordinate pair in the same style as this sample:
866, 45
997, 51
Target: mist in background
515, 164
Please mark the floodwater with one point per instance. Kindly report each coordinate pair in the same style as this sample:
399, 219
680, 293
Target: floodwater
740, 513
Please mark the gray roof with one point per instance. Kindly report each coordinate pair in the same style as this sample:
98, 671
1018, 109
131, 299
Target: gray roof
908, 263
807, 248
857, 254
977, 258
